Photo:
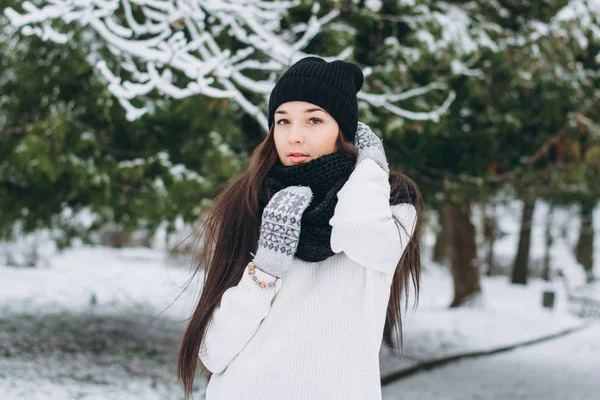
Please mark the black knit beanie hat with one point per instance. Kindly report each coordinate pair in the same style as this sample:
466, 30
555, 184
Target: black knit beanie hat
330, 85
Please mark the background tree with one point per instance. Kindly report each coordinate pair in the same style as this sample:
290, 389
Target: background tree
472, 99
68, 148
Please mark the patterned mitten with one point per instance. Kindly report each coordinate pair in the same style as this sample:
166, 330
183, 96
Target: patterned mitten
370, 146
280, 229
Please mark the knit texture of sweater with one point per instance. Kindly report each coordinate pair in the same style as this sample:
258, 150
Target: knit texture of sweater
317, 334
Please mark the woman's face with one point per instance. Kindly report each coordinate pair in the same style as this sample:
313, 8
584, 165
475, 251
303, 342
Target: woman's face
305, 129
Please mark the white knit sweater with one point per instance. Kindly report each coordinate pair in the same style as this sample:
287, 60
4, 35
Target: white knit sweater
317, 334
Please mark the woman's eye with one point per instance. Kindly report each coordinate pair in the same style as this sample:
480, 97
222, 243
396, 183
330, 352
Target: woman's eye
315, 121
278, 122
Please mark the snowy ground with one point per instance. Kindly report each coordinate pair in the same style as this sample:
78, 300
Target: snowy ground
90, 327
563, 369
98, 323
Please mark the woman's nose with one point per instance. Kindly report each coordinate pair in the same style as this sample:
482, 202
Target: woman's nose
296, 135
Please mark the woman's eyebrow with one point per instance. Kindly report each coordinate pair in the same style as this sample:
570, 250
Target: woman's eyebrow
308, 110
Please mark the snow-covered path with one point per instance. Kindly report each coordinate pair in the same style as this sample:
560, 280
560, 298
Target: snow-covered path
565, 368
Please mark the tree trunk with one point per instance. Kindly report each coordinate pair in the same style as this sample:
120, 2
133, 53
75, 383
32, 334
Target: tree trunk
439, 250
549, 240
520, 270
462, 251
490, 232
584, 252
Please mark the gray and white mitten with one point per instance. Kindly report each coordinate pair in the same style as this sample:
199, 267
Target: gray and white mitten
280, 229
370, 146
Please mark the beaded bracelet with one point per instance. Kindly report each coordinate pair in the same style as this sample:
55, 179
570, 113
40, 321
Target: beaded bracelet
260, 283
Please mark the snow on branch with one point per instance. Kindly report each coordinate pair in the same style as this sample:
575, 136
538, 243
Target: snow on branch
581, 19
182, 48
578, 19
172, 47
386, 101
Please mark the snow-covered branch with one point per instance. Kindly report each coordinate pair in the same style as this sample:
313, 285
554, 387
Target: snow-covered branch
172, 47
386, 101
184, 48
578, 20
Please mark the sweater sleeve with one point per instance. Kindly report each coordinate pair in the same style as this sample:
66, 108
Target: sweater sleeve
236, 320
363, 226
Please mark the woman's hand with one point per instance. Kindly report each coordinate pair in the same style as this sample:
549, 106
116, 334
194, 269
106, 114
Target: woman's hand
280, 229
370, 146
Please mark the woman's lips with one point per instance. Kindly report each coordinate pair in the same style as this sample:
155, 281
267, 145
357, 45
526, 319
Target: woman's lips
297, 159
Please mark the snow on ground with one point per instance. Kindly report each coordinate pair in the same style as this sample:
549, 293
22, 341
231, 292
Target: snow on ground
114, 280
562, 369
96, 324
507, 314
87, 356
100, 323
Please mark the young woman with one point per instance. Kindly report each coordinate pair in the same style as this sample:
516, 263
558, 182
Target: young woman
306, 254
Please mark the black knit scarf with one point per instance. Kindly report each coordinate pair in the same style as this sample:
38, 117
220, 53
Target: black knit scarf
325, 176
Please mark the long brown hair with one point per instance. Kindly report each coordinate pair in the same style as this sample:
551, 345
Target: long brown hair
230, 232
